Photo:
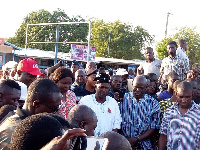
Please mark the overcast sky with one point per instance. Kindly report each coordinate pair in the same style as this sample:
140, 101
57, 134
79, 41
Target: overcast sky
150, 14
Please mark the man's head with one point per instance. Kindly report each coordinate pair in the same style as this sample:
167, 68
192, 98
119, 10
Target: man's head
149, 54
139, 87
90, 76
83, 117
102, 70
171, 48
116, 141
171, 78
35, 131
103, 85
193, 82
43, 96
10, 92
90, 65
184, 95
74, 66
116, 82
64, 78
183, 44
27, 71
80, 77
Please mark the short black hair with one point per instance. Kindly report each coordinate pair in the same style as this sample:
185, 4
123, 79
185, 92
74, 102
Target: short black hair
41, 89
80, 113
172, 42
4, 84
185, 86
115, 76
171, 75
62, 72
151, 76
4, 110
62, 121
116, 141
34, 132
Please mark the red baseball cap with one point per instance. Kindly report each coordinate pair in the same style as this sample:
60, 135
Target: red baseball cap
29, 65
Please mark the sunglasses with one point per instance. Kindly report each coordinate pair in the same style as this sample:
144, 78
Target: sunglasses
54, 109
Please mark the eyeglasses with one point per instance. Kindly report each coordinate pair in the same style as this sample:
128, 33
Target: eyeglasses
54, 109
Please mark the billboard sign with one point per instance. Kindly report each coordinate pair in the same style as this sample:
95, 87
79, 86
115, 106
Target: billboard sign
79, 52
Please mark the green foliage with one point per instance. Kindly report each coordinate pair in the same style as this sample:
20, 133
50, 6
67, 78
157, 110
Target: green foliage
161, 47
192, 38
125, 41
67, 33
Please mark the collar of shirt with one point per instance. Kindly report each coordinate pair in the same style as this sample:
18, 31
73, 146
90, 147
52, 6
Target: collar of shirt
21, 113
193, 107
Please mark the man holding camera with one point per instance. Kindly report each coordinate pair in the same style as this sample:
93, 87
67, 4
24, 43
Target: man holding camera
116, 91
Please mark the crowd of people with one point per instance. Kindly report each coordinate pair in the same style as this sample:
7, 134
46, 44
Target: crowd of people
62, 107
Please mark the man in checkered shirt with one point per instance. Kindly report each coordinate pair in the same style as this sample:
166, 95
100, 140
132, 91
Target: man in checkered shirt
180, 128
174, 63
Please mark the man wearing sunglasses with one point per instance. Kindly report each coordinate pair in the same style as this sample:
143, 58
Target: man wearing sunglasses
43, 96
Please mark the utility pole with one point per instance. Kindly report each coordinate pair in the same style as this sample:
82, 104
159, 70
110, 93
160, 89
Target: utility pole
167, 23
108, 44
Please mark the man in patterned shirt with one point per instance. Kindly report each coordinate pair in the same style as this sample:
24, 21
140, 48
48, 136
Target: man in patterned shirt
140, 115
173, 63
180, 126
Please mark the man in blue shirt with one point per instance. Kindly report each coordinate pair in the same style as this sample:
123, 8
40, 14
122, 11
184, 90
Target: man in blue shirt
140, 115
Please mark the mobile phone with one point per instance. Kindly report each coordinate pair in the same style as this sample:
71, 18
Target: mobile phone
96, 143
122, 92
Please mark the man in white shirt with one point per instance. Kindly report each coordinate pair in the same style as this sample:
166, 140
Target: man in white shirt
181, 50
151, 65
105, 107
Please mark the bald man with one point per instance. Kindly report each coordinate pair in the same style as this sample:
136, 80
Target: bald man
140, 115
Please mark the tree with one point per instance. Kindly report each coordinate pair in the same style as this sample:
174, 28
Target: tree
188, 34
67, 33
125, 41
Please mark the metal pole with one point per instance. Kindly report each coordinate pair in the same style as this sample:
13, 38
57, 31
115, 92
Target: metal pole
167, 23
56, 45
26, 39
109, 43
88, 51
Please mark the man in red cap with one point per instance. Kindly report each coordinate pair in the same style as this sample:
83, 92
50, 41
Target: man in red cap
27, 71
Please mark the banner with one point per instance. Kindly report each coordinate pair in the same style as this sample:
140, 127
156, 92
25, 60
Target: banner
79, 52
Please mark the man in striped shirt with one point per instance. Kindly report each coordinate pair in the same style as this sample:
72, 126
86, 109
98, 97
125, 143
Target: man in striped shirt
140, 115
180, 128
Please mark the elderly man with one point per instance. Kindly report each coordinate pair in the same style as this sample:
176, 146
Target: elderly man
151, 65
180, 128
105, 107
140, 115
40, 98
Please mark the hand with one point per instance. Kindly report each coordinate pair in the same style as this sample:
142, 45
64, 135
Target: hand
59, 143
132, 141
116, 96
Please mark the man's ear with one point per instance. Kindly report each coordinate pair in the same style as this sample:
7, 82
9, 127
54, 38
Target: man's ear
86, 78
82, 124
36, 103
19, 72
